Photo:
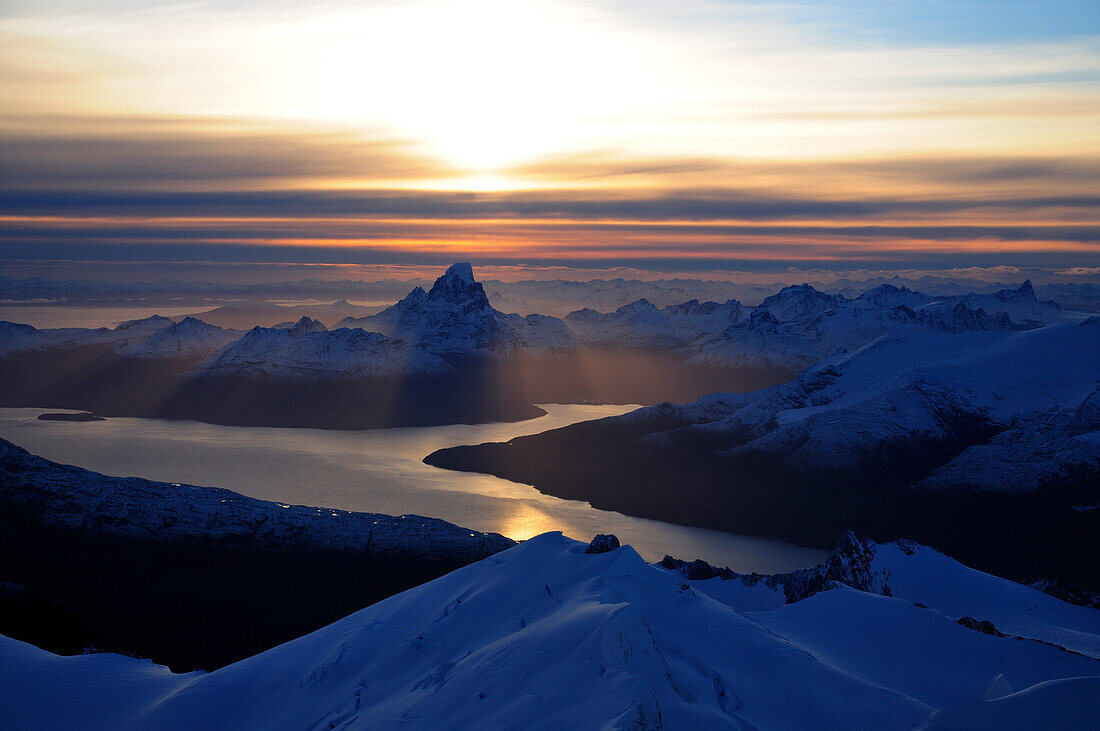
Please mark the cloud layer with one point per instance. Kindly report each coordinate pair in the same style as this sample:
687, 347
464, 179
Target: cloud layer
660, 134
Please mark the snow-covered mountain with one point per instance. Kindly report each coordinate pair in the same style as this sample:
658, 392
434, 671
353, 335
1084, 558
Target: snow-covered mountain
799, 326
897, 437
450, 333
888, 295
799, 301
17, 338
763, 339
924, 389
547, 635
196, 576
309, 350
188, 338
641, 324
454, 320
1020, 305
61, 496
248, 314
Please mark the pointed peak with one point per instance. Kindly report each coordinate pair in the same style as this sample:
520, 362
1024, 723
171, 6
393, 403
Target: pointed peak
1026, 289
792, 291
641, 305
154, 320
460, 270
458, 285
308, 325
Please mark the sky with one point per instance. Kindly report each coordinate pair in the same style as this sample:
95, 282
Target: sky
680, 136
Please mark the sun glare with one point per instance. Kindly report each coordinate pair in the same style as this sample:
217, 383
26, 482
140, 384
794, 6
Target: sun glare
483, 85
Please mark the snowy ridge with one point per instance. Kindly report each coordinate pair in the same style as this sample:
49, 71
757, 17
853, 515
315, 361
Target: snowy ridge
799, 301
70, 497
799, 326
917, 389
310, 350
188, 338
916, 573
16, 338
808, 338
641, 324
1021, 305
549, 636
455, 322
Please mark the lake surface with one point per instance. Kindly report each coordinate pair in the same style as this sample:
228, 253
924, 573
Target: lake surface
378, 471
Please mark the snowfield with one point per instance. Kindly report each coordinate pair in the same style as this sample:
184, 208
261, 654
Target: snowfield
308, 349
545, 635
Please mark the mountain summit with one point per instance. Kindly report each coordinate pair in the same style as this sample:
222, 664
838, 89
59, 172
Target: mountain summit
454, 320
460, 271
458, 288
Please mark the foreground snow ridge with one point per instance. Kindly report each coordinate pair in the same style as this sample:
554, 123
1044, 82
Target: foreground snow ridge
547, 635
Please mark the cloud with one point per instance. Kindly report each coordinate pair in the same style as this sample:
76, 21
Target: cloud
700, 131
684, 206
160, 152
912, 176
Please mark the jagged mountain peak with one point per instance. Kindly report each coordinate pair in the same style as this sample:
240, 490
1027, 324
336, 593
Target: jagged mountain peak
193, 323
799, 300
1025, 291
187, 338
455, 319
153, 322
458, 286
308, 325
888, 295
460, 270
641, 305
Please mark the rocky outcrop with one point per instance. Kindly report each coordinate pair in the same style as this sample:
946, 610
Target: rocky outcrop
603, 543
851, 563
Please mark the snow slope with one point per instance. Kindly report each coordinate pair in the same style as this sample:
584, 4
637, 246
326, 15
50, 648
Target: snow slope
16, 338
310, 350
984, 443
811, 326
799, 301
917, 574
1021, 305
799, 326
1032, 388
545, 635
187, 338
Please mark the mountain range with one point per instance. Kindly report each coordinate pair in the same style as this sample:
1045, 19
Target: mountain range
985, 443
446, 355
